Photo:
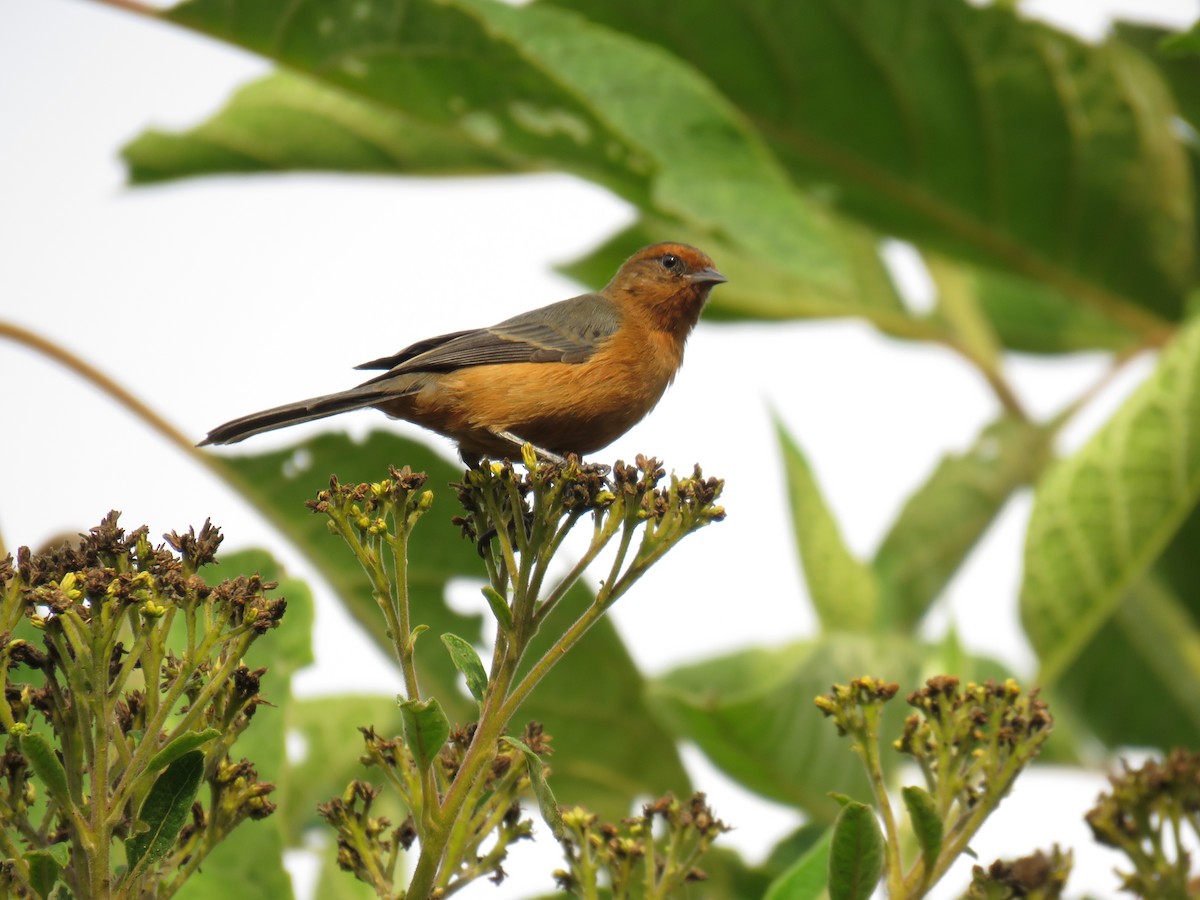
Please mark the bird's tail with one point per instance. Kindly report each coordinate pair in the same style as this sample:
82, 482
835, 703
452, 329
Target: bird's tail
295, 413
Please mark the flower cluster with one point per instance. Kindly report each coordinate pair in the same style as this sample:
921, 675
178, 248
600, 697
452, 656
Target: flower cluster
124, 689
650, 856
973, 741
1040, 876
461, 785
970, 745
1146, 815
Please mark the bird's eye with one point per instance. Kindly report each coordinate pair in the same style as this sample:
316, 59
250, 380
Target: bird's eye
670, 261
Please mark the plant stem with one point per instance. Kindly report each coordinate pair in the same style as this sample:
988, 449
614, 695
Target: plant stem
868, 742
400, 618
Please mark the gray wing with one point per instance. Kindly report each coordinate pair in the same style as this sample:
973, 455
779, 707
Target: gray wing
568, 331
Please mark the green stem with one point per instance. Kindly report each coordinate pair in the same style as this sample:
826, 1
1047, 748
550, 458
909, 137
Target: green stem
434, 842
868, 743
600, 540
14, 856
149, 744
401, 619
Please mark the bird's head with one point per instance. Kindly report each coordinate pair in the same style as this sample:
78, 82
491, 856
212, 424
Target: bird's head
670, 282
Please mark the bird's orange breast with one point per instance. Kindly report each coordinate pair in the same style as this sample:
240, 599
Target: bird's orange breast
561, 407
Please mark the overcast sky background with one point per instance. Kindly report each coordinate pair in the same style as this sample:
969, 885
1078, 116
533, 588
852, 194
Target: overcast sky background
217, 297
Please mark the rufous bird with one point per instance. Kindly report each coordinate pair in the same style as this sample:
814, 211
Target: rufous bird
570, 377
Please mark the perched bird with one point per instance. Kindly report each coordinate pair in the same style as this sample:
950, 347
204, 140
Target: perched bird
570, 377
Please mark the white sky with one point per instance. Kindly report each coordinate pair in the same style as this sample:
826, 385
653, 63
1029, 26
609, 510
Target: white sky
188, 293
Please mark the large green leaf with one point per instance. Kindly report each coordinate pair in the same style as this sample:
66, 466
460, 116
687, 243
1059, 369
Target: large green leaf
491, 86
1136, 681
1100, 520
808, 877
989, 137
327, 729
391, 90
962, 127
1036, 318
947, 515
844, 590
165, 809
1180, 69
591, 702
1155, 633
856, 853
1182, 72
752, 713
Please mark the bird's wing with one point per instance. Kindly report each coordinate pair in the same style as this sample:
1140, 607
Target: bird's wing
569, 331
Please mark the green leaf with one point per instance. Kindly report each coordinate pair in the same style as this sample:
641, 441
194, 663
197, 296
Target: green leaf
334, 883
1182, 43
926, 823
328, 731
44, 761
1036, 318
535, 88
1150, 697
426, 729
548, 806
164, 810
1102, 516
808, 877
945, 517
466, 660
752, 714
729, 876
855, 854
288, 122
844, 591
1182, 73
975, 132
44, 870
958, 303
499, 607
185, 743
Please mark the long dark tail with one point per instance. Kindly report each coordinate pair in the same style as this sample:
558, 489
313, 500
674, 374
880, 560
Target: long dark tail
295, 413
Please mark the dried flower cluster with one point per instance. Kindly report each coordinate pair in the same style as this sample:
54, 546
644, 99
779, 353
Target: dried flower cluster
1151, 814
124, 690
650, 856
1040, 876
970, 745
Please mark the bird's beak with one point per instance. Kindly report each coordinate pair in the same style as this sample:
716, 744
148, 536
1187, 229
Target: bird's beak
708, 275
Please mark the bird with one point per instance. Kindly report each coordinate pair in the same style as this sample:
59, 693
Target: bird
568, 378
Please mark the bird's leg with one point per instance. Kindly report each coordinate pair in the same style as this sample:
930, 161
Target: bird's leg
516, 441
